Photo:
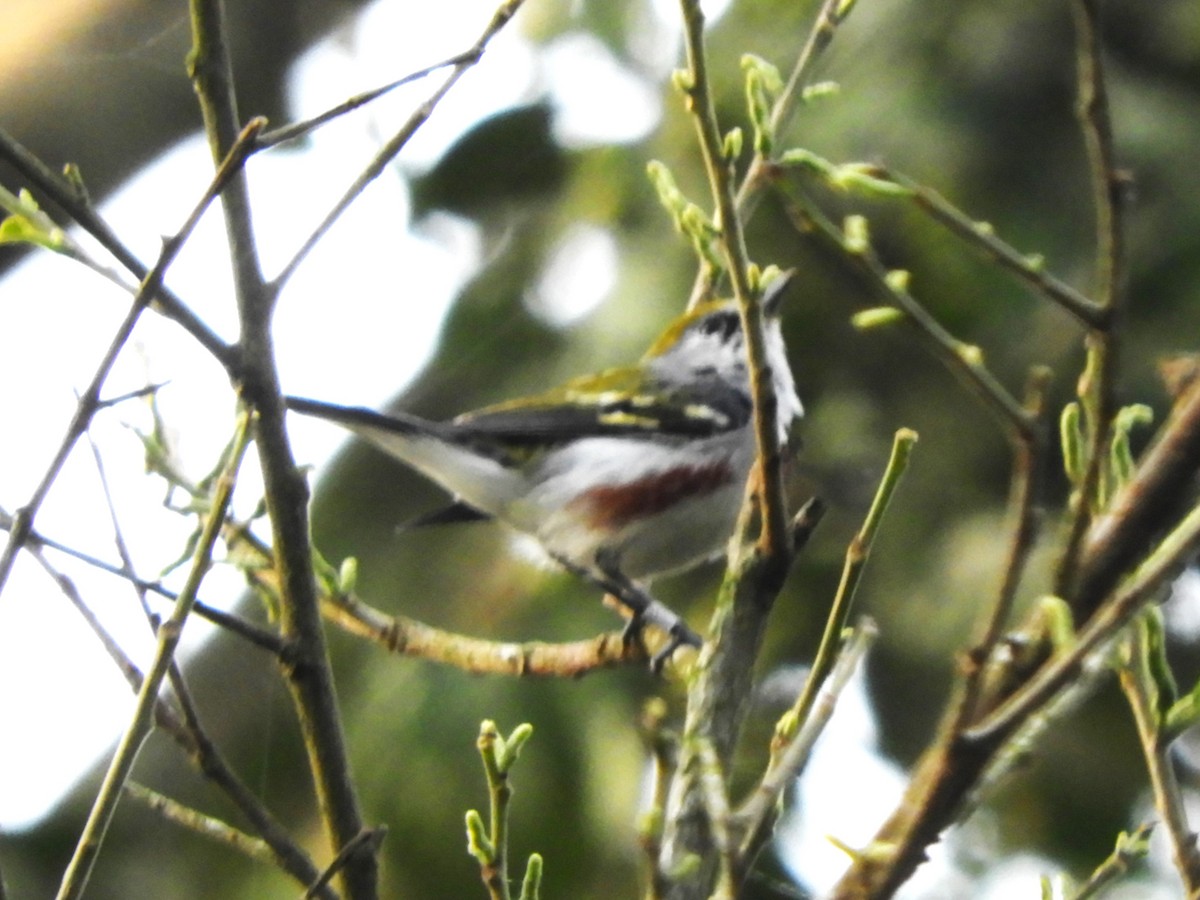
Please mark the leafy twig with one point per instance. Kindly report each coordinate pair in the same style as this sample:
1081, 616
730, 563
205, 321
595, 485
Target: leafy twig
1030, 270
773, 538
1129, 849
489, 843
839, 613
1144, 655
1143, 508
88, 847
964, 360
1162, 564
23, 520
883, 182
1098, 386
787, 101
759, 561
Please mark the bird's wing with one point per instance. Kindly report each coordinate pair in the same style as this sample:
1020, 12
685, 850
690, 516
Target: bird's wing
613, 403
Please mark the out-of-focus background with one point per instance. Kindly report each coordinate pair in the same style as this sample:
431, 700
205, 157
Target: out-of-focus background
517, 242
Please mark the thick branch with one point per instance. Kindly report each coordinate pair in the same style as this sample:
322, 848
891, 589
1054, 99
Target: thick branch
307, 668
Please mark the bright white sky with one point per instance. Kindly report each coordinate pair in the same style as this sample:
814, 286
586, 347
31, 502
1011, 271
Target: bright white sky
368, 303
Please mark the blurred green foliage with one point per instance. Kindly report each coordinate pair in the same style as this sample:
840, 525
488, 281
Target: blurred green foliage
974, 98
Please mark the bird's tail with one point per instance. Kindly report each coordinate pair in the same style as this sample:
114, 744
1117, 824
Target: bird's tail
367, 422
430, 447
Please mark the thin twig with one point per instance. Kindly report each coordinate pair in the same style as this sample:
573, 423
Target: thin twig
855, 562
369, 840
23, 519
1029, 270
1137, 682
195, 743
88, 847
773, 538
504, 12
664, 752
78, 208
1098, 390
198, 822
756, 814
255, 634
1130, 849
299, 129
962, 359
182, 694
127, 568
1155, 572
138, 393
756, 177
1028, 460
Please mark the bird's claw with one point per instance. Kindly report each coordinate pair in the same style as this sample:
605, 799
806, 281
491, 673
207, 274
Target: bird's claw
678, 635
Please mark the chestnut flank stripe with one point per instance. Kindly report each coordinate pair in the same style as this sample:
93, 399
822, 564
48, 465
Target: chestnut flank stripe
616, 506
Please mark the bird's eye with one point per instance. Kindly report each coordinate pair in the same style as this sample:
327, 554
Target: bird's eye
722, 324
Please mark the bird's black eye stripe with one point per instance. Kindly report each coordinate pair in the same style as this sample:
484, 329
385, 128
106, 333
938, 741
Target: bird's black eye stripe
723, 323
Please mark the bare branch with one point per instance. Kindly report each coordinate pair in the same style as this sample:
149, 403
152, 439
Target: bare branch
88, 848
23, 520
504, 12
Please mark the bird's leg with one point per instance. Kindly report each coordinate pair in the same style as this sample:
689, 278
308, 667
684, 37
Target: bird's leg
608, 577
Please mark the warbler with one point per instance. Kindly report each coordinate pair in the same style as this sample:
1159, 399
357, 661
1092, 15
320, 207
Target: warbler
621, 475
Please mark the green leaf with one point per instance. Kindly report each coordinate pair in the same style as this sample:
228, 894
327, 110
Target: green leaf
348, 575
27, 224
732, 147
1157, 670
1058, 620
819, 91
763, 84
18, 229
74, 176
509, 749
479, 845
1121, 462
897, 280
856, 235
1070, 427
876, 317
531, 886
800, 158
864, 178
1183, 714
669, 194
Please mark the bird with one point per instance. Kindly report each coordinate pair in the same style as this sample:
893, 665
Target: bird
621, 475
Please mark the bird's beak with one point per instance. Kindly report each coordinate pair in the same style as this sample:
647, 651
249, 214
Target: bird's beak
772, 297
